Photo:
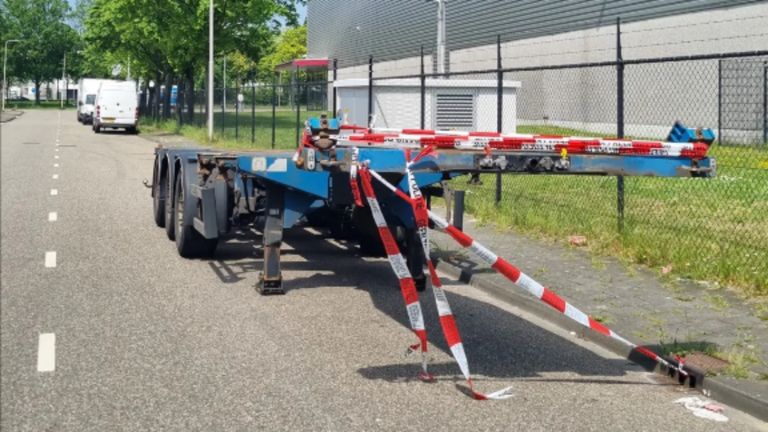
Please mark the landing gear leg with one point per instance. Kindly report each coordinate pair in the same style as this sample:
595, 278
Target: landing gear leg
415, 258
271, 280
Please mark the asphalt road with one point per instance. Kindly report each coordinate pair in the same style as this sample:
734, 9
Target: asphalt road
146, 340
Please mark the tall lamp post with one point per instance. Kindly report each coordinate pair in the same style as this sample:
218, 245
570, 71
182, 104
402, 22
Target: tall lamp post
210, 71
5, 61
63, 94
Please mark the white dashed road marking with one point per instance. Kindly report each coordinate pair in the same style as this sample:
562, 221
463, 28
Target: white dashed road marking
55, 165
55, 177
54, 191
55, 156
53, 217
46, 352
50, 259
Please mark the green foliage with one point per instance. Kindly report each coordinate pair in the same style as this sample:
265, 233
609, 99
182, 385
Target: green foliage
291, 44
45, 38
170, 37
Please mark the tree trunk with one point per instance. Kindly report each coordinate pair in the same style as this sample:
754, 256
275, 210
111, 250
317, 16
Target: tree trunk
167, 97
156, 95
37, 92
191, 95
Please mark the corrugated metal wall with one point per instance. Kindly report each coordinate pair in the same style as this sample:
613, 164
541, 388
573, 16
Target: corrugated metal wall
350, 30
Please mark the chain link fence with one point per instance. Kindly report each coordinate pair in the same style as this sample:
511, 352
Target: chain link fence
713, 230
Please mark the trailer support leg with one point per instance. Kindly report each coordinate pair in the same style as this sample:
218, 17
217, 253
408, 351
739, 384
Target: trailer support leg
271, 280
415, 258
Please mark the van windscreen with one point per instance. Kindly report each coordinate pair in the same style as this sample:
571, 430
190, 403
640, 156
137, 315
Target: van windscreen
90, 99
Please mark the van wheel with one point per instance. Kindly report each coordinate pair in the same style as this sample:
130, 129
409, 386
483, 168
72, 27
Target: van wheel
189, 242
97, 128
132, 130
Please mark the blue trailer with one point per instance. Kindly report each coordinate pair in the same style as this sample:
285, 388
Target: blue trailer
200, 194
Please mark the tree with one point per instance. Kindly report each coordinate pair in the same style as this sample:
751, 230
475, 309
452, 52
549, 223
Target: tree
291, 44
44, 39
169, 38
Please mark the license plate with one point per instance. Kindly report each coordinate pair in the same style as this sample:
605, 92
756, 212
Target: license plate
108, 119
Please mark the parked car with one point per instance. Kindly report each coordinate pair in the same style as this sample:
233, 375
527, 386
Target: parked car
117, 107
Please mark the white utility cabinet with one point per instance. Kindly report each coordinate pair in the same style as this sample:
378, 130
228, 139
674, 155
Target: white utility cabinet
461, 104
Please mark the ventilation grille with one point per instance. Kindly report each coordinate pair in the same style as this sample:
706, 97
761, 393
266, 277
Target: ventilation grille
455, 111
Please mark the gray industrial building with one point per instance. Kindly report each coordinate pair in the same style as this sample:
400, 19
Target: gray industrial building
548, 32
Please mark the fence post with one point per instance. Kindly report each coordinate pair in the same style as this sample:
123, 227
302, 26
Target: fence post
499, 108
179, 106
370, 90
335, 75
223, 111
619, 121
423, 81
298, 108
237, 112
765, 103
274, 106
720, 101
253, 113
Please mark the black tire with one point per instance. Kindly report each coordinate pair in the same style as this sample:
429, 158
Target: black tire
189, 242
169, 213
132, 130
97, 128
159, 195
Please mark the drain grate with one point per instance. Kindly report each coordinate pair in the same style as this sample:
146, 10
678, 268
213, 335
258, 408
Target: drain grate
67, 145
706, 363
30, 143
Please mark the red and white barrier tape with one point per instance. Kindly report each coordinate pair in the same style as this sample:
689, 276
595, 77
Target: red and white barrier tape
447, 320
414, 138
400, 267
524, 281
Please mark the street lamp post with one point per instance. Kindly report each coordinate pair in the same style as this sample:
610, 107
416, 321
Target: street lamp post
63, 71
5, 61
210, 71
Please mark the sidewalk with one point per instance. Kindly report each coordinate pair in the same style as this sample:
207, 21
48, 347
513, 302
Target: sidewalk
669, 316
9, 115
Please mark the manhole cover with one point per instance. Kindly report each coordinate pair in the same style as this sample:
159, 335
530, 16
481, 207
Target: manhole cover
706, 363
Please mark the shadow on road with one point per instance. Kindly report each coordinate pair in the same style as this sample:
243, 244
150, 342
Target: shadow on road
499, 344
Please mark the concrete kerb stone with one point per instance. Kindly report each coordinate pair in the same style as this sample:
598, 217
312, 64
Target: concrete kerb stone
723, 390
7, 115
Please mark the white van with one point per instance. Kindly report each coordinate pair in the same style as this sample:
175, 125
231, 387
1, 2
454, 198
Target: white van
117, 106
86, 97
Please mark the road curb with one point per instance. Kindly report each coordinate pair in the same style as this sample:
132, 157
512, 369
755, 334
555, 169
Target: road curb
10, 115
714, 387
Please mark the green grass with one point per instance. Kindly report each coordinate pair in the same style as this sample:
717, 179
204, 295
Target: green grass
234, 131
18, 105
707, 229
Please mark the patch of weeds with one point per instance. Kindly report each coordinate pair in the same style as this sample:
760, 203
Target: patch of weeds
602, 319
684, 298
740, 361
598, 263
718, 302
541, 271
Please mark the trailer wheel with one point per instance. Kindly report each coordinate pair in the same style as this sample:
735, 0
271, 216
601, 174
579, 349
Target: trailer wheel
189, 242
159, 196
169, 202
